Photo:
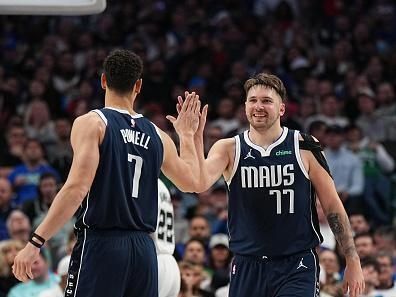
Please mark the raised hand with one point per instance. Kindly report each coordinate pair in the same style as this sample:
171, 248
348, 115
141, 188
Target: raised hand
202, 116
187, 121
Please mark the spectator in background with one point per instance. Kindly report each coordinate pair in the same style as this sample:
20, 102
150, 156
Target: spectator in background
365, 246
11, 154
213, 133
57, 291
345, 167
192, 276
38, 123
385, 240
219, 261
330, 272
36, 209
226, 116
386, 286
329, 113
359, 222
376, 164
386, 100
329, 241
195, 252
18, 226
8, 250
60, 154
318, 130
5, 206
372, 126
25, 177
199, 228
43, 280
370, 270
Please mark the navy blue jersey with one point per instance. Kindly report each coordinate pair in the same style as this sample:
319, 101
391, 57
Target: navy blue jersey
124, 192
272, 207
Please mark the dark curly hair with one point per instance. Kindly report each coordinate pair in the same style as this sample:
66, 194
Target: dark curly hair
122, 69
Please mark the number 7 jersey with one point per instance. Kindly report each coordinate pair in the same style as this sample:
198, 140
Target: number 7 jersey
272, 207
124, 192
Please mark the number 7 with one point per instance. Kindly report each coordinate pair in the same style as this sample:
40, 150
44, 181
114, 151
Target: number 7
137, 173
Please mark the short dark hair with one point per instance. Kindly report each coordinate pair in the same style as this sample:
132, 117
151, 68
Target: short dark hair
370, 261
122, 69
268, 81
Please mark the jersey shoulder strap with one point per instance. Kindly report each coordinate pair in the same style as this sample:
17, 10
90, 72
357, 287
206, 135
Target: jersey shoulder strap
310, 144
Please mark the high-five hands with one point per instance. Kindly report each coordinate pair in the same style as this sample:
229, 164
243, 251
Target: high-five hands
202, 114
187, 121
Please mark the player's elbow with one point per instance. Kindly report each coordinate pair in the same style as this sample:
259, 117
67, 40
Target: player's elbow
75, 192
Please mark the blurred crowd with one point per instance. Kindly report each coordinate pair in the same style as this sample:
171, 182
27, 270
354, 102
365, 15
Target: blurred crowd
336, 58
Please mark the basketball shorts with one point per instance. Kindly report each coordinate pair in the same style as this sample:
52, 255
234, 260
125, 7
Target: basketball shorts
291, 276
168, 276
113, 263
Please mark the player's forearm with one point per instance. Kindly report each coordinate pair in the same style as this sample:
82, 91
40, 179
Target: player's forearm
188, 154
204, 182
62, 209
339, 224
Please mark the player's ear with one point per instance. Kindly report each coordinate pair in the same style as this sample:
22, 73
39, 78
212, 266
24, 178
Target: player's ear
138, 85
103, 82
282, 109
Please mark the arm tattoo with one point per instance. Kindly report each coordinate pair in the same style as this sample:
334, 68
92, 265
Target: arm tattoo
342, 232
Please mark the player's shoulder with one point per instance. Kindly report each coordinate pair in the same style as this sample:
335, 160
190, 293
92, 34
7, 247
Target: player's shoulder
89, 123
88, 118
227, 142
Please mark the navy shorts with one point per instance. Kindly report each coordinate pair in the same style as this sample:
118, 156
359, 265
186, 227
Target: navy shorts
291, 276
113, 263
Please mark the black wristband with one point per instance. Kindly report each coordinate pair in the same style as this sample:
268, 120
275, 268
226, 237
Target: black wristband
37, 240
34, 235
36, 244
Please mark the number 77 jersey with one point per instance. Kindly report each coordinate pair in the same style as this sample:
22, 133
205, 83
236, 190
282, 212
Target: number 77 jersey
164, 236
124, 192
272, 206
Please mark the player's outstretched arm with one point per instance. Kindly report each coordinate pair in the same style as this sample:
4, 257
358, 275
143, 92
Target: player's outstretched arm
339, 223
183, 170
218, 158
86, 134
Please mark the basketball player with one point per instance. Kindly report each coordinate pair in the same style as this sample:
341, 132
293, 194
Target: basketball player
272, 184
118, 155
164, 239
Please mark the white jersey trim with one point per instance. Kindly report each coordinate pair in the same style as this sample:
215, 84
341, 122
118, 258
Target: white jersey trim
102, 116
135, 116
79, 269
316, 275
310, 209
298, 155
157, 130
86, 210
265, 152
236, 158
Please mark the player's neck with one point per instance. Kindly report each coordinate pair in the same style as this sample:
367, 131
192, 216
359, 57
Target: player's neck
265, 138
120, 102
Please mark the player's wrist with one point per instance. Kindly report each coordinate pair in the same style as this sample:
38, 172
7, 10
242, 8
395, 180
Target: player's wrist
36, 240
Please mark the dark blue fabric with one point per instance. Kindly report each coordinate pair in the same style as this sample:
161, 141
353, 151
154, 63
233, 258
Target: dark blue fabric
124, 191
281, 277
113, 263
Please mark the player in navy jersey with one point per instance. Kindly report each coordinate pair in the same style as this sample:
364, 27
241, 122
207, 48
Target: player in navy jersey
118, 155
272, 183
